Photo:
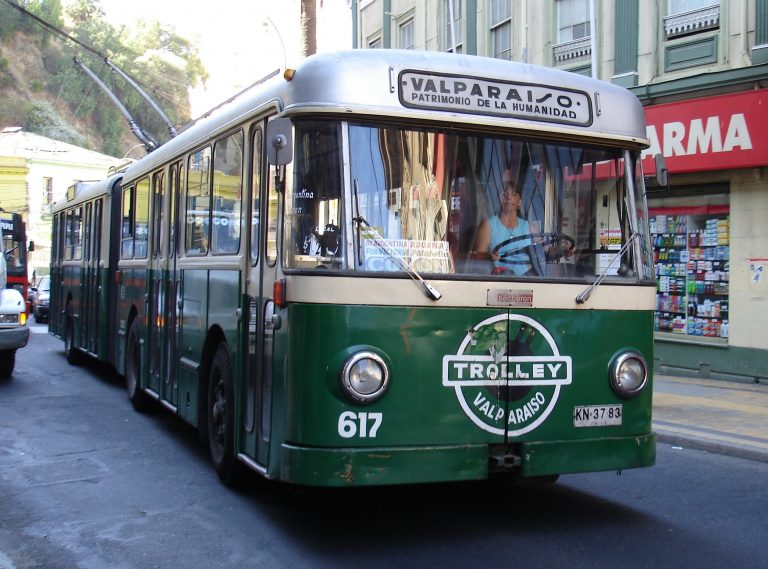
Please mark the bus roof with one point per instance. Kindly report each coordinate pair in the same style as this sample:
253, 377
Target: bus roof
431, 87
88, 191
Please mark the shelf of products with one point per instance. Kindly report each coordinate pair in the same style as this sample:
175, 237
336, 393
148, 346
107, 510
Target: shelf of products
691, 254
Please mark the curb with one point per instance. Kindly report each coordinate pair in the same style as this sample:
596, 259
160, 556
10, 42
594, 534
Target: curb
698, 443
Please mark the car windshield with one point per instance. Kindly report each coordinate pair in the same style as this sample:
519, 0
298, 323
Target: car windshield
452, 203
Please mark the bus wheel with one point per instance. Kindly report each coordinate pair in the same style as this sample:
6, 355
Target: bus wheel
7, 363
220, 415
72, 353
138, 398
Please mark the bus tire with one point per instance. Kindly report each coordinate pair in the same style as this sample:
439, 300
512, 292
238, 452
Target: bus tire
220, 419
74, 357
136, 395
7, 363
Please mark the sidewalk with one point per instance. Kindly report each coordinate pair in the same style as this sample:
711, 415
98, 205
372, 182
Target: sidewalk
713, 415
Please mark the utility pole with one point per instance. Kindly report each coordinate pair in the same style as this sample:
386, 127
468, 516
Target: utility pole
309, 27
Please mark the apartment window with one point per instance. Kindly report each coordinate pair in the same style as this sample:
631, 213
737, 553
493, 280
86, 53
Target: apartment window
679, 6
501, 29
573, 34
691, 16
405, 35
572, 20
48, 190
374, 43
454, 37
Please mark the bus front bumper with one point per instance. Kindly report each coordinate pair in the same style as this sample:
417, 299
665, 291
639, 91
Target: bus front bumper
312, 466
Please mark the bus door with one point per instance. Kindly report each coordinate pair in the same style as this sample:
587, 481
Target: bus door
170, 293
260, 321
88, 283
95, 285
156, 288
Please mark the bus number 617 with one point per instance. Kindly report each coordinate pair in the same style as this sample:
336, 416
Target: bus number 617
362, 424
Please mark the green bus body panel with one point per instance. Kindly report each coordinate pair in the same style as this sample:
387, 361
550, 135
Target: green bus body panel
210, 297
72, 276
105, 318
368, 467
419, 412
223, 302
412, 465
608, 453
133, 289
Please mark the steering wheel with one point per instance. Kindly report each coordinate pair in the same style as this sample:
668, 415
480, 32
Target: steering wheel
554, 239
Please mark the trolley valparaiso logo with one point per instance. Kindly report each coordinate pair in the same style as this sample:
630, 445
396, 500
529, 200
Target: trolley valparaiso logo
507, 374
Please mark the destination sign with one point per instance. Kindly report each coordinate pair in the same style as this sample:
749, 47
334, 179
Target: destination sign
511, 99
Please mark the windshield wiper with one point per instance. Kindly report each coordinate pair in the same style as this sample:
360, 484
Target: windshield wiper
380, 242
583, 296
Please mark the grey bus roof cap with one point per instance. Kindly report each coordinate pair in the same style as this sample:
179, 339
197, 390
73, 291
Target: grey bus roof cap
370, 83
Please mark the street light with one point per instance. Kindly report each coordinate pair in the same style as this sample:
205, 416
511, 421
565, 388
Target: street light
267, 20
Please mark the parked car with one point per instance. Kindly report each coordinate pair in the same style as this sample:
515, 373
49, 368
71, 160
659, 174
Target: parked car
40, 298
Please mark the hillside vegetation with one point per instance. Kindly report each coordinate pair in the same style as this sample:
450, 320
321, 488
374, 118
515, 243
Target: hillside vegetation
43, 91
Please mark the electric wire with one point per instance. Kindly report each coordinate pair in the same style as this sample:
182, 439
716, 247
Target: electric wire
59, 32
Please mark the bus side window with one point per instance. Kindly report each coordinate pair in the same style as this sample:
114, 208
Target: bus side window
158, 192
198, 212
77, 233
126, 247
141, 235
227, 194
256, 194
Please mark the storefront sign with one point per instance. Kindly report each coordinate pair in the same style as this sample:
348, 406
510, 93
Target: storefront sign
713, 133
499, 98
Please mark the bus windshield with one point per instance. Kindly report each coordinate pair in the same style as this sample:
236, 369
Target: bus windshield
465, 204
14, 249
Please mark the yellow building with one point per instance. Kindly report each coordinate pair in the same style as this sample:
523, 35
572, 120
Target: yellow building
35, 172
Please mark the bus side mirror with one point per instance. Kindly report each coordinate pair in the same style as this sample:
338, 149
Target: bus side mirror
280, 142
31, 246
662, 174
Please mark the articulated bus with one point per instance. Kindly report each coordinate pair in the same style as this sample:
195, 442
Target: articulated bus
381, 267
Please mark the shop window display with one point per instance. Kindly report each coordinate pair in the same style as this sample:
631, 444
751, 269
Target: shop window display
691, 255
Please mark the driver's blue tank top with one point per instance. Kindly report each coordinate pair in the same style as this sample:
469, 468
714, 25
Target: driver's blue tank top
518, 261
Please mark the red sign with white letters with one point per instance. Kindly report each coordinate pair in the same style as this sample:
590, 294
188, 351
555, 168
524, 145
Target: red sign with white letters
713, 133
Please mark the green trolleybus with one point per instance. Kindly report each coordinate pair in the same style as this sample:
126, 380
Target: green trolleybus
381, 267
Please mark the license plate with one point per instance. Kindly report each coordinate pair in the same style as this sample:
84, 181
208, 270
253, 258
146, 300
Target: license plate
596, 415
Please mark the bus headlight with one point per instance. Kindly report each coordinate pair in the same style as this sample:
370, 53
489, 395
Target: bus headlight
628, 374
364, 377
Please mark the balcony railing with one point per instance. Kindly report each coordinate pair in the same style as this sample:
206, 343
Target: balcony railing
691, 22
574, 49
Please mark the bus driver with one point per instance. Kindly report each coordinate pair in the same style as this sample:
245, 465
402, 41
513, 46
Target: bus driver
507, 225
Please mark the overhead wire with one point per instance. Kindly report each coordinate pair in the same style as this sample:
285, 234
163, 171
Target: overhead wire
59, 32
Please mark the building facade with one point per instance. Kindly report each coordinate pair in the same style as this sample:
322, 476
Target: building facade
700, 68
35, 172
